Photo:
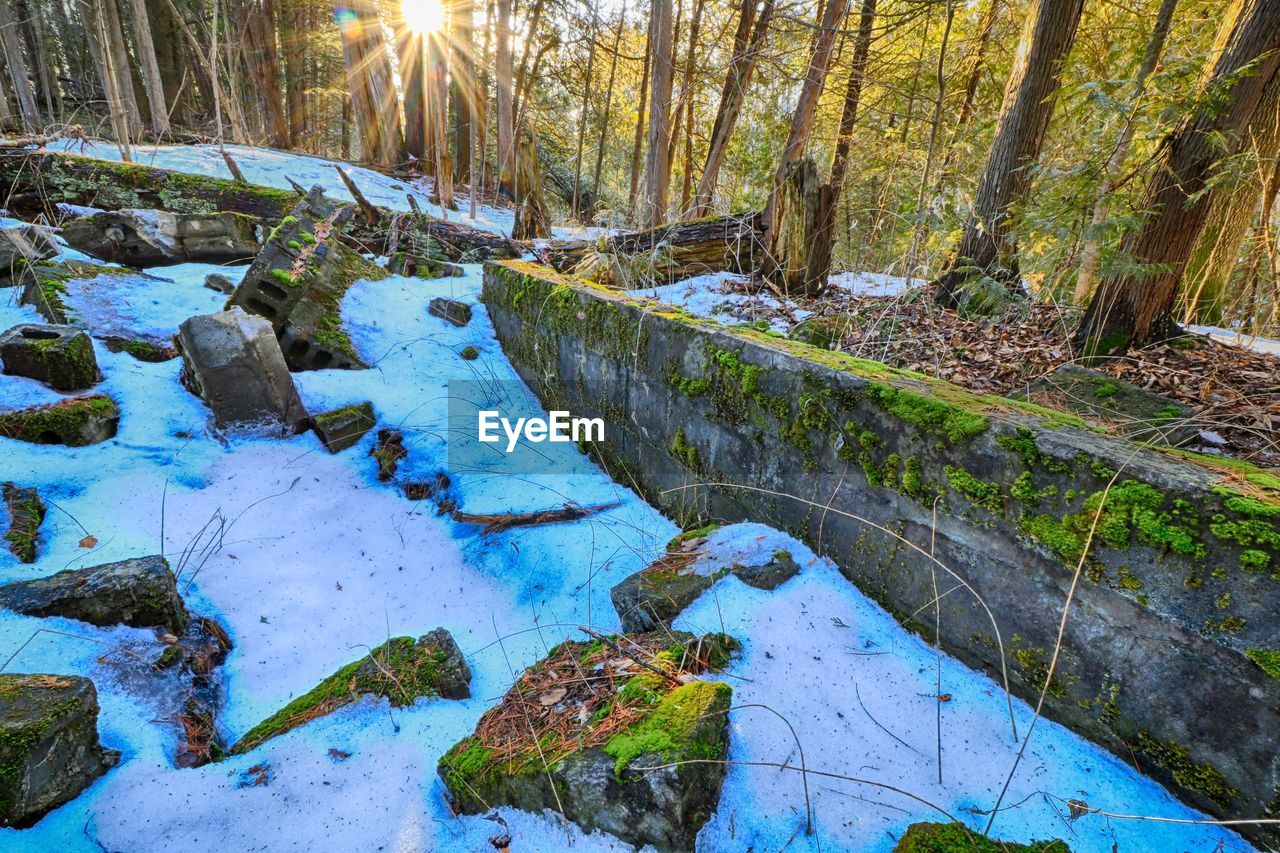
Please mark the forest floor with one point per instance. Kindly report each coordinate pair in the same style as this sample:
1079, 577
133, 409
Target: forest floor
308, 561
1230, 383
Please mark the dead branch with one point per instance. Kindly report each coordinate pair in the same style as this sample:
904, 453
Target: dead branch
498, 522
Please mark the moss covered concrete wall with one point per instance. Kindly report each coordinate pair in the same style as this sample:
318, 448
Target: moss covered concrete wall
1170, 657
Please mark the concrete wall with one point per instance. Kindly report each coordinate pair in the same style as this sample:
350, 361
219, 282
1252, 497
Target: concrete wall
1169, 653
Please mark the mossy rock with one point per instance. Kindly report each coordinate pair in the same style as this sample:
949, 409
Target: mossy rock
400, 670
60, 356
26, 514
49, 748
141, 592
958, 838
44, 285
341, 428
76, 422
643, 761
152, 352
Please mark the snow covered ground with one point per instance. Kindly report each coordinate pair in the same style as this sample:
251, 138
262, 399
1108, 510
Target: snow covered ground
320, 562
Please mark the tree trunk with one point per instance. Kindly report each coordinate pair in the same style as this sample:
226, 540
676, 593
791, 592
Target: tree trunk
40, 51
1133, 307
369, 77
1120, 153
658, 161
741, 67
152, 82
170, 61
608, 97
522, 79
685, 107
409, 49
988, 248
779, 268
801, 205
438, 116
532, 219
977, 59
462, 75
582, 116
264, 69
506, 109
1231, 213
292, 27
118, 50
636, 148
17, 65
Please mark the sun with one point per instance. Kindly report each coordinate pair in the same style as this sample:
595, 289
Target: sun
423, 16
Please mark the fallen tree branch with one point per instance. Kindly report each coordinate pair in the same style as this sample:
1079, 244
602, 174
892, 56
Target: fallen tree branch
498, 522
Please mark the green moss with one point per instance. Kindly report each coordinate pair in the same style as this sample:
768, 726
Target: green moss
979, 492
929, 414
1175, 758
1105, 389
285, 277
26, 514
1035, 670
913, 478
686, 453
62, 422
469, 353
1060, 538
957, 838
1268, 659
683, 726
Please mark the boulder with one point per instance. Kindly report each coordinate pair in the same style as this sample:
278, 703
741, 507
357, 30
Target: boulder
20, 246
232, 360
26, 514
419, 266
1138, 413
141, 238
341, 428
75, 422
779, 568
591, 749
62, 356
219, 282
400, 670
450, 310
140, 592
298, 280
49, 748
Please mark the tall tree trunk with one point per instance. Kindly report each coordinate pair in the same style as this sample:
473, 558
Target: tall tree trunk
462, 75
1231, 213
685, 109
608, 97
523, 78
264, 68
532, 218
170, 61
153, 84
1135, 307
780, 267
506, 108
973, 76
95, 13
988, 248
1120, 153
292, 28
409, 49
11, 44
741, 67
438, 115
40, 53
373, 99
658, 161
586, 106
634, 192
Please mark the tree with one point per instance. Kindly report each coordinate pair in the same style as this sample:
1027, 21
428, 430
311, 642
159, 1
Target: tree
506, 108
637, 144
462, 76
1134, 306
258, 26
988, 247
373, 99
657, 170
292, 24
17, 65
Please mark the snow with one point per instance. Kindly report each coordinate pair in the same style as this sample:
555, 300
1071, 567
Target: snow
308, 561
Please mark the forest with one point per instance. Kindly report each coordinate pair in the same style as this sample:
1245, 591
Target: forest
922, 362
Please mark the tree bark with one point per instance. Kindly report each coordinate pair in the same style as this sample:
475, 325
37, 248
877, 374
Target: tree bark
741, 67
532, 218
438, 116
988, 248
264, 68
409, 50
1133, 307
40, 52
1120, 153
586, 106
171, 61
685, 107
152, 82
634, 192
369, 77
292, 27
462, 76
17, 66
506, 108
658, 160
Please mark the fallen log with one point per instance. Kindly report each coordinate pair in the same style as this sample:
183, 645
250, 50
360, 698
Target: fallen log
498, 522
663, 254
38, 181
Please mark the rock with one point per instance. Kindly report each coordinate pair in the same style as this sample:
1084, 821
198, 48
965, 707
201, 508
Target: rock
45, 284
142, 350
1136, 412
952, 837
388, 452
401, 670
652, 597
341, 428
75, 422
219, 282
418, 266
591, 753
450, 310
142, 238
49, 748
62, 356
20, 246
232, 360
298, 280
140, 592
26, 514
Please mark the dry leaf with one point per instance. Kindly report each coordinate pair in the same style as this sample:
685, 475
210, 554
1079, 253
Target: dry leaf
89, 541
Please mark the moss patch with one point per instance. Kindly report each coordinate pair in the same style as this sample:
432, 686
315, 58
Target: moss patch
61, 423
1268, 659
958, 838
677, 728
1176, 759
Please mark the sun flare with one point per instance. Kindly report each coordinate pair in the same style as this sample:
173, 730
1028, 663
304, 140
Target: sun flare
423, 16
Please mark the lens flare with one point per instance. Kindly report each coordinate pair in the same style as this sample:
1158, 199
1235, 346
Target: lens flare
423, 16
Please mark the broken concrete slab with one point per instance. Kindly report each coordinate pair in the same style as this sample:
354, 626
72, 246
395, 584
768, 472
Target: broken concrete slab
140, 592
450, 310
26, 514
23, 245
49, 747
631, 751
298, 280
233, 362
75, 422
1139, 413
343, 427
61, 356
142, 238
400, 670
45, 284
